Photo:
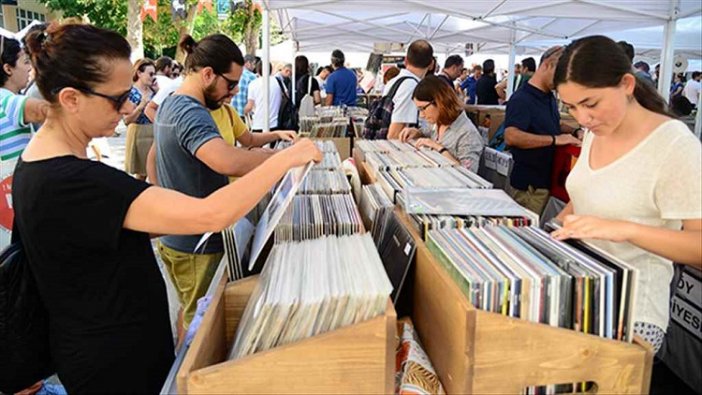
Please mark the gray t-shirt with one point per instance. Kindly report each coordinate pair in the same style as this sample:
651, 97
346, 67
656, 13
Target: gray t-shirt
463, 141
182, 126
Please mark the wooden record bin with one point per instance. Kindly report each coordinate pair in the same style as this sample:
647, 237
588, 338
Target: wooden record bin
355, 359
343, 145
475, 351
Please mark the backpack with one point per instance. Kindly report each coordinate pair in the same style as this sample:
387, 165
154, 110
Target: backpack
380, 114
24, 323
307, 103
287, 116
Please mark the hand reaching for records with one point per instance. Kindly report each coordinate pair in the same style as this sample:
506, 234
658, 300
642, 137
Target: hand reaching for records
287, 135
425, 142
587, 227
302, 152
409, 134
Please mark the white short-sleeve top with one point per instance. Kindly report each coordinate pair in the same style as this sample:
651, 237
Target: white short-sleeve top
657, 183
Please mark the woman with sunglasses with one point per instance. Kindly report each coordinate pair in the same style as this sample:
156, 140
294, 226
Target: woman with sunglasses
140, 131
453, 134
85, 226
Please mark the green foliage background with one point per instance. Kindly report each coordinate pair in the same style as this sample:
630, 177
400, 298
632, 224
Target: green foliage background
161, 37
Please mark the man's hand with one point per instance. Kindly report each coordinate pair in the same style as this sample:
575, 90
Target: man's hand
287, 135
567, 139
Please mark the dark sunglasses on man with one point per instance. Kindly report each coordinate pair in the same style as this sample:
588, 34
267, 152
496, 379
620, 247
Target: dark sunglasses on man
231, 84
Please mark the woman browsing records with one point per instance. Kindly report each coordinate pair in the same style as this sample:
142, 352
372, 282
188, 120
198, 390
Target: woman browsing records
85, 226
636, 190
453, 134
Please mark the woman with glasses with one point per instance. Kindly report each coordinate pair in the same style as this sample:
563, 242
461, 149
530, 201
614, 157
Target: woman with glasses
453, 134
140, 132
85, 226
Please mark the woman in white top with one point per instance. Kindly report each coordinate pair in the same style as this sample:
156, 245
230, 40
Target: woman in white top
636, 190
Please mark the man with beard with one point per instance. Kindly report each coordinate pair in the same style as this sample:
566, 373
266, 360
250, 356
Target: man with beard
192, 157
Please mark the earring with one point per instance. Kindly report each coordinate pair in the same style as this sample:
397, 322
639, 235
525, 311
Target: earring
630, 98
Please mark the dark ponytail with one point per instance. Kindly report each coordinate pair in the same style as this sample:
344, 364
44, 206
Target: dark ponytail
74, 55
599, 62
217, 51
187, 44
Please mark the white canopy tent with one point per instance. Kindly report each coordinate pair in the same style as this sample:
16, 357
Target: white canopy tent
491, 25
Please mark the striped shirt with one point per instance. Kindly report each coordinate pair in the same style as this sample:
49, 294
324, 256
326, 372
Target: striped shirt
239, 101
14, 133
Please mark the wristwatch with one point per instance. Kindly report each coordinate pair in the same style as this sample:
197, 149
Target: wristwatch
553, 143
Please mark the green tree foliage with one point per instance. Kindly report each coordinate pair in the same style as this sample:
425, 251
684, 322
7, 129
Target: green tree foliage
109, 14
243, 25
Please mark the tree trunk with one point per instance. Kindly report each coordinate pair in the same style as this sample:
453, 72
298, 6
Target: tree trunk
135, 29
186, 28
251, 31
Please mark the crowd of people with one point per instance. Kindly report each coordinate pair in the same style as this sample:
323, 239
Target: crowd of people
196, 161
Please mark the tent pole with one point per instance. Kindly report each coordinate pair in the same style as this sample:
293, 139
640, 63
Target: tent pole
265, 67
294, 72
666, 70
698, 118
510, 67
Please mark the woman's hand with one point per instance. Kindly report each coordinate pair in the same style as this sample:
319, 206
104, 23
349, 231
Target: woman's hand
287, 135
587, 227
409, 134
425, 142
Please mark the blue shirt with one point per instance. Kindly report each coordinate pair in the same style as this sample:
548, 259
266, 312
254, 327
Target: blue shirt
183, 125
342, 84
533, 111
239, 101
469, 86
135, 97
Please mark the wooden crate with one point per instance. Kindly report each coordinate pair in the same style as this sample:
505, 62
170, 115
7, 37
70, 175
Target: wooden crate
355, 359
343, 145
475, 351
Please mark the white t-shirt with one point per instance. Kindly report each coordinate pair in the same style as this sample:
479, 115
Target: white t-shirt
692, 91
275, 96
169, 86
404, 111
657, 183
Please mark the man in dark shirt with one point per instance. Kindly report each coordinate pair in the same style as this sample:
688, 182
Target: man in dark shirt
485, 88
452, 70
533, 130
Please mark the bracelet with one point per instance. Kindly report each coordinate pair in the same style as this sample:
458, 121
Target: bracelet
553, 143
442, 150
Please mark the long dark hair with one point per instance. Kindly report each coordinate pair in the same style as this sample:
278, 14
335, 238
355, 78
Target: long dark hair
599, 62
10, 54
302, 66
72, 55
